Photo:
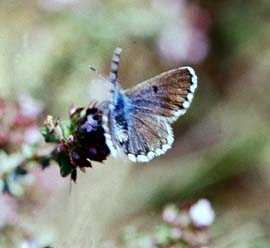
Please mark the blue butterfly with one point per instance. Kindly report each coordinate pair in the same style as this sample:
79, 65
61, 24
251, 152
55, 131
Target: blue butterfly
137, 121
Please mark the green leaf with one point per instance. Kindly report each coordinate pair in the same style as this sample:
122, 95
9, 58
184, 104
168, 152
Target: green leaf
65, 166
48, 136
66, 130
163, 235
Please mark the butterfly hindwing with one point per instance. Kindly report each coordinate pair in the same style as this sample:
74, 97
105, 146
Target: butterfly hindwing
151, 137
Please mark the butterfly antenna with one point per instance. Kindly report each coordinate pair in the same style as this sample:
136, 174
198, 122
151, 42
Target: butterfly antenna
99, 74
115, 66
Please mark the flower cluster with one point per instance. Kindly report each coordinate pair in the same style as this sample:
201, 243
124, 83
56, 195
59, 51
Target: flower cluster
78, 141
185, 226
19, 136
18, 122
22, 160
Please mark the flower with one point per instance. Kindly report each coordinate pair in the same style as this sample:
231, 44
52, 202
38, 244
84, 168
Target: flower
19, 139
183, 39
29, 244
170, 214
202, 213
81, 139
182, 43
29, 107
89, 141
178, 230
18, 121
32, 135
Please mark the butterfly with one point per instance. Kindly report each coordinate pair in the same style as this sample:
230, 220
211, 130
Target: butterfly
137, 121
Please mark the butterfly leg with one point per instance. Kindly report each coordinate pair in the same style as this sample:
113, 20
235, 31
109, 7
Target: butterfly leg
115, 65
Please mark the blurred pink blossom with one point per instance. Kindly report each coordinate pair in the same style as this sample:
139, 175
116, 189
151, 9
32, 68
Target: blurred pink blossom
32, 135
184, 39
29, 107
170, 214
202, 213
18, 121
183, 44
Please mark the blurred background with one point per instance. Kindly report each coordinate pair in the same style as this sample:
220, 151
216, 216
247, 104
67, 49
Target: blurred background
222, 144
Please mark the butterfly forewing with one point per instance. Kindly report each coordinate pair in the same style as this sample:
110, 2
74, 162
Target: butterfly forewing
168, 94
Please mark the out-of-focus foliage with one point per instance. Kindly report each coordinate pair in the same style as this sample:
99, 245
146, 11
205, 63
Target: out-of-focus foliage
222, 144
18, 138
185, 226
23, 164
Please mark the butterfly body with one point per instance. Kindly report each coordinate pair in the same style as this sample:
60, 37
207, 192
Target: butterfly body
119, 115
138, 119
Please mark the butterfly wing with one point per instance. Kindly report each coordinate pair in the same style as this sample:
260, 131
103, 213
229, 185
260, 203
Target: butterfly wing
168, 94
147, 112
150, 136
